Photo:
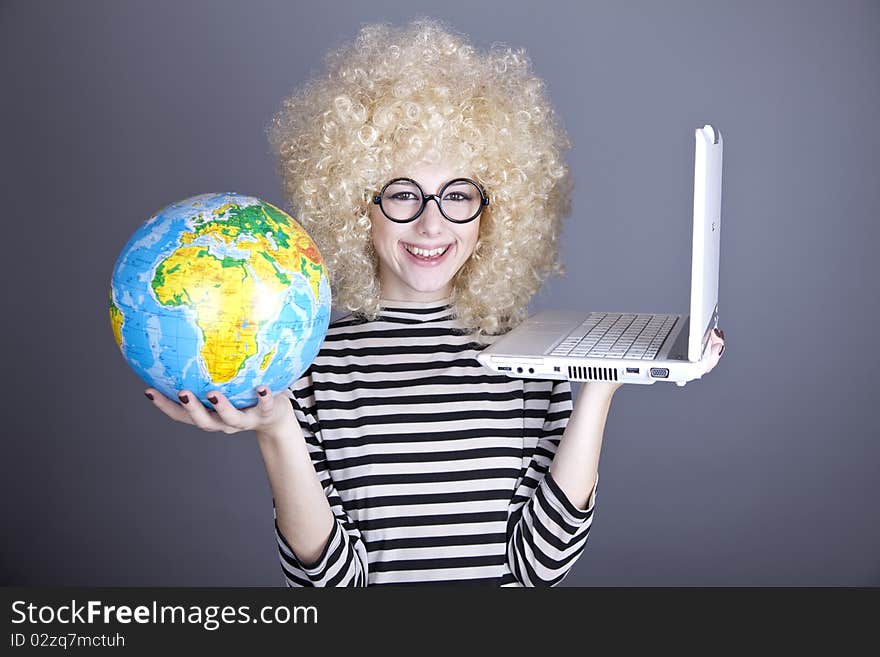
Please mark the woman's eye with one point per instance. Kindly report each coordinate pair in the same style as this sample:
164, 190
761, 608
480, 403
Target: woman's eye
403, 196
457, 196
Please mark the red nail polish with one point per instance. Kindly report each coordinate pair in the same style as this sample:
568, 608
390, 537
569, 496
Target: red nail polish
184, 398
718, 333
149, 396
212, 399
262, 393
722, 350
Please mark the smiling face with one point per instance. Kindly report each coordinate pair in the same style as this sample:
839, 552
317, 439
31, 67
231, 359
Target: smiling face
418, 260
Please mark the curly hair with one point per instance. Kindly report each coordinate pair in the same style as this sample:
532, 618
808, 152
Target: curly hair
398, 95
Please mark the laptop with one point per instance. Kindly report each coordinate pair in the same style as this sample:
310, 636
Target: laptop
628, 347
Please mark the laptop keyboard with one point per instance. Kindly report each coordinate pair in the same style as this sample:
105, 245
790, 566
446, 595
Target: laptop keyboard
617, 335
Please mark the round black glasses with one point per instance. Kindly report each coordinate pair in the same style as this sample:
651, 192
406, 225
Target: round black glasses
460, 200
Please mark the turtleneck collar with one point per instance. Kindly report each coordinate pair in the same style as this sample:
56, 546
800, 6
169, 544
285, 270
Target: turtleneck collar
421, 311
439, 303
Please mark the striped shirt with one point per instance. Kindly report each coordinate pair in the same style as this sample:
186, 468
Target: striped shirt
435, 468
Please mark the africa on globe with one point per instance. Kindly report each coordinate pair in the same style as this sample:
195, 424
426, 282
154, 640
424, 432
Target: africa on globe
220, 292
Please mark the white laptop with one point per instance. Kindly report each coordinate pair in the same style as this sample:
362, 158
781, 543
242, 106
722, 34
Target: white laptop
631, 347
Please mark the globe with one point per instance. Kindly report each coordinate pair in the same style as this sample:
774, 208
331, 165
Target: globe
219, 292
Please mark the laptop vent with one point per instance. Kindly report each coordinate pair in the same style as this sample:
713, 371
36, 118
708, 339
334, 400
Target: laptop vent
592, 373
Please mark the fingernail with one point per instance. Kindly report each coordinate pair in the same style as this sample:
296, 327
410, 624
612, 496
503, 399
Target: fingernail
212, 399
149, 396
184, 398
722, 350
722, 335
719, 333
262, 393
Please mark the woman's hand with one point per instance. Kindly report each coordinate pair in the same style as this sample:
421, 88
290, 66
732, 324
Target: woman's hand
270, 413
716, 348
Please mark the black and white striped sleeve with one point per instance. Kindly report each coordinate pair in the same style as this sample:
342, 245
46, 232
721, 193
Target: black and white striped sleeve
547, 531
343, 562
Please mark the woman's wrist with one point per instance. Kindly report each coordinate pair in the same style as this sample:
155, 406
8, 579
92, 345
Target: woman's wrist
597, 391
282, 431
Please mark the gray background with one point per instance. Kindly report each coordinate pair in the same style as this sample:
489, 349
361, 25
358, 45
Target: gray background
763, 473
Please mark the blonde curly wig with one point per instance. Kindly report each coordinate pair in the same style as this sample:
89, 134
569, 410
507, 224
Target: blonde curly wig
399, 95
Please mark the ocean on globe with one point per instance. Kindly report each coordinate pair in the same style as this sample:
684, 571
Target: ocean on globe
220, 292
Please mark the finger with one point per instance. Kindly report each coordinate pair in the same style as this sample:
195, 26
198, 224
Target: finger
716, 341
258, 415
171, 409
714, 356
199, 415
265, 402
232, 419
719, 339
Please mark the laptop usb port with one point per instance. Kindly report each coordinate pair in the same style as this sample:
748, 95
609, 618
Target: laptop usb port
503, 368
632, 370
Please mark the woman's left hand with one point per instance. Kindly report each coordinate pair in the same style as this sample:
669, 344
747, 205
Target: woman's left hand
716, 348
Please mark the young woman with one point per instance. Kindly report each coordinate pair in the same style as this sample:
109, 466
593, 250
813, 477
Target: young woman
433, 179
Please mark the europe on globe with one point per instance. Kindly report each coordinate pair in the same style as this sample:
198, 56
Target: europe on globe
219, 292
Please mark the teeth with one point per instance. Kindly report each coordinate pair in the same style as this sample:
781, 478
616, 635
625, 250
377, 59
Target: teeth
422, 252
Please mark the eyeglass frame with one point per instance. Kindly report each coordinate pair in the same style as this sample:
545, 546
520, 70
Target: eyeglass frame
484, 200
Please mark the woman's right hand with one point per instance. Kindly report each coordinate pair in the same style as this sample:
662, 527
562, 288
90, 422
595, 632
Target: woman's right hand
269, 415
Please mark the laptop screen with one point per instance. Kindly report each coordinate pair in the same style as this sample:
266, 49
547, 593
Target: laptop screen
707, 239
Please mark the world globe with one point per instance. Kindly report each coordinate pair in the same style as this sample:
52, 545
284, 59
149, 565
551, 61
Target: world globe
219, 292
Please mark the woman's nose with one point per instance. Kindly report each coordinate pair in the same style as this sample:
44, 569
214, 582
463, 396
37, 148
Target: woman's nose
431, 221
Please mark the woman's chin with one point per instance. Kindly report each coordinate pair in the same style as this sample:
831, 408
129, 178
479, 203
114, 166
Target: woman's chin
423, 286
435, 289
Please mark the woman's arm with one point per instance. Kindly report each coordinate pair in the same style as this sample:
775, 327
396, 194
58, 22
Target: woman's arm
546, 532
316, 549
302, 511
576, 463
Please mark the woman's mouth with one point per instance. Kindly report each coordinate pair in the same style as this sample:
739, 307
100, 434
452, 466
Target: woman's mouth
425, 257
